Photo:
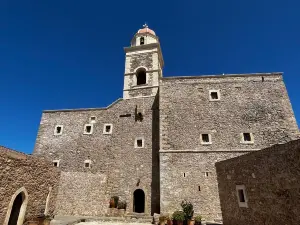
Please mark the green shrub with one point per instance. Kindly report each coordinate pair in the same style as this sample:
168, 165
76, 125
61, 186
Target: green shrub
178, 216
198, 218
188, 209
121, 205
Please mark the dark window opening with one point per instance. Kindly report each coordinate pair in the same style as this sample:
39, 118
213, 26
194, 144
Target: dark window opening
86, 165
139, 143
88, 129
15, 212
262, 79
206, 174
141, 76
125, 115
241, 195
183, 174
199, 188
58, 130
55, 164
142, 41
247, 137
93, 118
108, 129
205, 138
214, 95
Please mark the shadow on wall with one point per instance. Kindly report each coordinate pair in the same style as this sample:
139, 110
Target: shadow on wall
155, 186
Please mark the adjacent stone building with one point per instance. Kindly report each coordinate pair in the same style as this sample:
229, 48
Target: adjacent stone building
28, 186
158, 144
261, 187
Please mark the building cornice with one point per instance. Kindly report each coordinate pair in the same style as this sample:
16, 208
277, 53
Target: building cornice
208, 151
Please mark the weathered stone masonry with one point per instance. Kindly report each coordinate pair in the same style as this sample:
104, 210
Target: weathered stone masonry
247, 103
271, 178
30, 174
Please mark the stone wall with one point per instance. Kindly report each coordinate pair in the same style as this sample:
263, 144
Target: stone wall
114, 158
255, 103
272, 186
31, 174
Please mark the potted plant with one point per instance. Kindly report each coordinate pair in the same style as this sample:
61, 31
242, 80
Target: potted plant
162, 220
188, 210
169, 220
198, 220
121, 207
179, 217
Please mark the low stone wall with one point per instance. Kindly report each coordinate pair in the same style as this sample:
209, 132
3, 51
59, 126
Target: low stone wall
34, 177
271, 178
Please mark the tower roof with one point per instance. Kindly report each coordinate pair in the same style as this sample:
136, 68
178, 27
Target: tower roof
146, 29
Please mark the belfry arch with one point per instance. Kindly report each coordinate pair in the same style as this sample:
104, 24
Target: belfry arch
17, 208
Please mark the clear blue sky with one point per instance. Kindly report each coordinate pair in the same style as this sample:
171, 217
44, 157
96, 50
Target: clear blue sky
57, 54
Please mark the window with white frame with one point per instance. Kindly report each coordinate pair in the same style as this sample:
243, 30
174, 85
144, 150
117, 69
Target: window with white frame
247, 138
107, 129
88, 129
214, 95
139, 142
205, 139
55, 163
87, 163
58, 130
242, 196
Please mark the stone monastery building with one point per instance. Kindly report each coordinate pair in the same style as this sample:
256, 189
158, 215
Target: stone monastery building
158, 145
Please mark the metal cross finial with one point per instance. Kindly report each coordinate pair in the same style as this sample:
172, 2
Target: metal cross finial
145, 25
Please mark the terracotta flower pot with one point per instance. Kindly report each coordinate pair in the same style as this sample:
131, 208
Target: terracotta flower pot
169, 222
191, 222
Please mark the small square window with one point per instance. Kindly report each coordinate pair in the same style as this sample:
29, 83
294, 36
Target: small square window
107, 129
93, 119
88, 129
247, 138
206, 139
241, 196
139, 143
58, 130
214, 95
87, 163
55, 163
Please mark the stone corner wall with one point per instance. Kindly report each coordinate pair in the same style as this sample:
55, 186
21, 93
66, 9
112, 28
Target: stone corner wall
35, 174
272, 185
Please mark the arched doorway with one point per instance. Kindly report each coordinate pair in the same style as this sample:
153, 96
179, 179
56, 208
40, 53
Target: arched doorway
139, 201
17, 208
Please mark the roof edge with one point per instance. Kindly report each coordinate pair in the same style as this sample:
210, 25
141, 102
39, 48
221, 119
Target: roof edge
224, 76
83, 109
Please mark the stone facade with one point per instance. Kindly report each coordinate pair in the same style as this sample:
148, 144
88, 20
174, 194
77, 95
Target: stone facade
271, 178
33, 177
117, 167
257, 104
169, 115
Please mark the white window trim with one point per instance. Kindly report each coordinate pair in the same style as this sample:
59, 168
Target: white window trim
56, 161
218, 93
242, 204
92, 128
104, 128
205, 143
62, 128
247, 142
93, 121
87, 161
143, 142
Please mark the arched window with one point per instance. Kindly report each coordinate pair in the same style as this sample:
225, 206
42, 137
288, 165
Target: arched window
141, 76
142, 41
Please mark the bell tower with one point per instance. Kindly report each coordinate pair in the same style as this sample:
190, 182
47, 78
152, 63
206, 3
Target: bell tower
143, 65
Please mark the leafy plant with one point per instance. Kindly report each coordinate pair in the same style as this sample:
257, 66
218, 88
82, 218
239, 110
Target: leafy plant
198, 218
121, 205
178, 216
188, 209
